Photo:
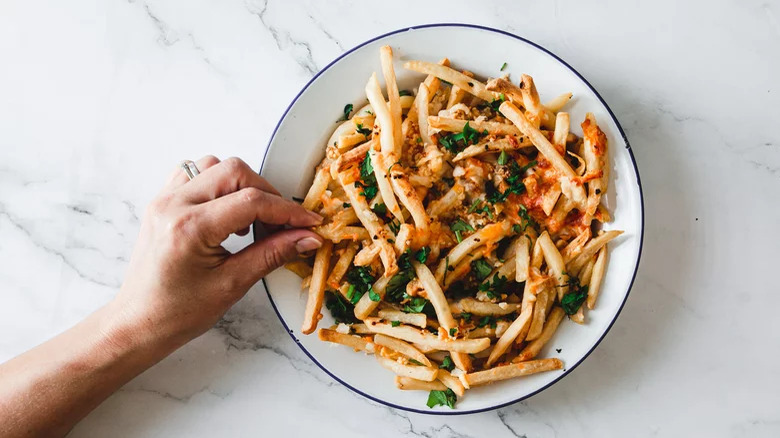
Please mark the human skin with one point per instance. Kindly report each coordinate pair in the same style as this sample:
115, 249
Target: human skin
179, 282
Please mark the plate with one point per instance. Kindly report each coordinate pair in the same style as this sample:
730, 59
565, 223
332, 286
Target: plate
298, 145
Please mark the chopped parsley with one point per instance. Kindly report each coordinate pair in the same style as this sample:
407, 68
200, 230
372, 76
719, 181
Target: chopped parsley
495, 287
503, 158
514, 181
453, 332
367, 179
360, 281
503, 66
574, 298
395, 323
341, 309
379, 209
422, 255
466, 316
365, 131
485, 209
458, 227
404, 93
481, 269
396, 287
346, 205
527, 219
447, 364
457, 142
416, 362
394, 225
487, 320
442, 398
415, 305
347, 109
495, 104
373, 295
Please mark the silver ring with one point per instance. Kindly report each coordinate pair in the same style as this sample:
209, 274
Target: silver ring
190, 168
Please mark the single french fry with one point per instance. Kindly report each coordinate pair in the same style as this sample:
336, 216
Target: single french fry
366, 306
513, 370
491, 146
558, 102
426, 374
457, 125
355, 342
385, 188
555, 262
317, 288
532, 104
435, 295
451, 382
482, 308
383, 116
594, 152
532, 349
410, 384
596, 276
426, 338
336, 234
367, 255
576, 191
506, 340
452, 76
342, 265
422, 113
401, 347
394, 99
299, 268
417, 319
318, 187
522, 259
561, 132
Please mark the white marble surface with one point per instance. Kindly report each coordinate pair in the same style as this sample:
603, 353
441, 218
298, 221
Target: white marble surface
100, 98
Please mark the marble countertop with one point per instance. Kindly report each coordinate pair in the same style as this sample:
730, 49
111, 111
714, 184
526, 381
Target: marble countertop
100, 99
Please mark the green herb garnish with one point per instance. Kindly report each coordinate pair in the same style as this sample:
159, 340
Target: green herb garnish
365, 131
573, 299
341, 309
447, 364
404, 93
422, 255
481, 269
458, 227
503, 66
347, 109
442, 398
395, 323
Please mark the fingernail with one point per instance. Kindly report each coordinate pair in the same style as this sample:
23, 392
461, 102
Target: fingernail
317, 218
307, 244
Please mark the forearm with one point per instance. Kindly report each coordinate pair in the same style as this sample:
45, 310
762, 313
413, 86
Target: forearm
47, 390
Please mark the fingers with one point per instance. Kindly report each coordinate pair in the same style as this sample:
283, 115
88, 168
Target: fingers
178, 177
259, 259
236, 211
226, 177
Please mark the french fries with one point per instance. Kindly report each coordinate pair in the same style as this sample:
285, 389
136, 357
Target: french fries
462, 210
514, 370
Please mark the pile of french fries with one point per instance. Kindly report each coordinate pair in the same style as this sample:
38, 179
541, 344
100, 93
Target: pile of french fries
463, 222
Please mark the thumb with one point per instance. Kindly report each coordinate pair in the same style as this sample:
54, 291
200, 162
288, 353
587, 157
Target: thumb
271, 252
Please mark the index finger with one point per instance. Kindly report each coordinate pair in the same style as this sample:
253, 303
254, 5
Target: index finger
236, 211
229, 176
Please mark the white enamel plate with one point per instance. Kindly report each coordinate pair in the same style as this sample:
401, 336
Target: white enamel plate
298, 144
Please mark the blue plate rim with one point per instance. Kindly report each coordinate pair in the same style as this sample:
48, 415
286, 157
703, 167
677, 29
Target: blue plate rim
568, 370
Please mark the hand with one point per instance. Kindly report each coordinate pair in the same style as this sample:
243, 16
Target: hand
180, 279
